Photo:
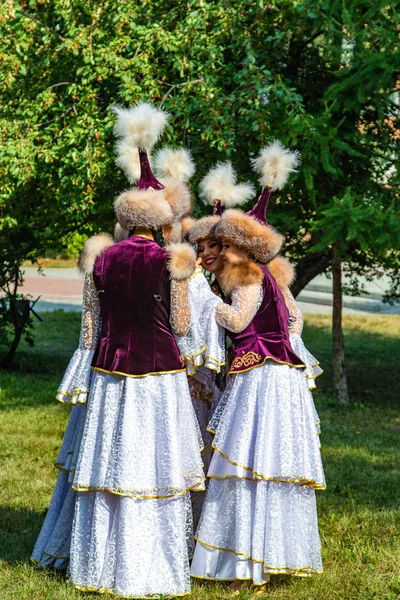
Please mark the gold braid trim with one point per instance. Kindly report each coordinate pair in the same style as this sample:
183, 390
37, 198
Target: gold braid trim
259, 476
104, 590
139, 494
136, 376
268, 569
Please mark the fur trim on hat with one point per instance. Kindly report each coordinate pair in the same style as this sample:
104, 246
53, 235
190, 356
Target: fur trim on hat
120, 234
202, 229
182, 261
274, 164
177, 165
220, 184
282, 271
261, 241
92, 249
241, 273
179, 198
187, 223
141, 125
147, 209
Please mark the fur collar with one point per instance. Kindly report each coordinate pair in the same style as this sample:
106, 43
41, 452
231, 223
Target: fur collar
92, 249
241, 273
282, 271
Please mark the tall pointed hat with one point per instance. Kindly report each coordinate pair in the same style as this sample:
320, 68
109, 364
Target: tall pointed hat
250, 231
150, 204
219, 189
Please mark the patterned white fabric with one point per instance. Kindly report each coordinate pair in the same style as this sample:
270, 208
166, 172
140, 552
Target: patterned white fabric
141, 437
266, 423
259, 528
74, 387
313, 369
180, 307
136, 442
296, 322
53, 544
259, 516
246, 300
205, 396
132, 547
204, 343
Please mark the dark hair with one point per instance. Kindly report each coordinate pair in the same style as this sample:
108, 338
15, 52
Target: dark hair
158, 236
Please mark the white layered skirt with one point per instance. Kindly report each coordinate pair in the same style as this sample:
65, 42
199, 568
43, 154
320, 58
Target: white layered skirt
121, 512
259, 516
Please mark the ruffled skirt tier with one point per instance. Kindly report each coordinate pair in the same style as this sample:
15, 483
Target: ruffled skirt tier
249, 530
132, 547
120, 518
266, 426
140, 438
259, 516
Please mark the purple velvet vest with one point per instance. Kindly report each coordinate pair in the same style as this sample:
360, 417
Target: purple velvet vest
134, 291
267, 336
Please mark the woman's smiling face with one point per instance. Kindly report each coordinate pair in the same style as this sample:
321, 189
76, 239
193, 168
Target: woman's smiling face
209, 251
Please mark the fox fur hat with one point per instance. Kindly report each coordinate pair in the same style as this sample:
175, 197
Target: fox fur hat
150, 204
218, 189
257, 239
250, 231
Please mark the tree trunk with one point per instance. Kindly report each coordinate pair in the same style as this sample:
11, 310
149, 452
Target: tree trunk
339, 370
307, 268
20, 318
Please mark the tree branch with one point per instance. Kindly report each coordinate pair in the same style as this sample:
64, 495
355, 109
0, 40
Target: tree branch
28, 16
73, 107
58, 84
178, 85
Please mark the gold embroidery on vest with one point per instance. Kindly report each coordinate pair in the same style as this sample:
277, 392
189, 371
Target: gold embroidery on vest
247, 360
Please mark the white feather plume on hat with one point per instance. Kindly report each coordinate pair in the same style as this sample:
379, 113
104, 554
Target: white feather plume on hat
220, 184
274, 164
141, 125
177, 165
128, 160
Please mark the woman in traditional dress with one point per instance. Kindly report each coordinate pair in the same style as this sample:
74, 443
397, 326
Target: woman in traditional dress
134, 456
206, 376
259, 516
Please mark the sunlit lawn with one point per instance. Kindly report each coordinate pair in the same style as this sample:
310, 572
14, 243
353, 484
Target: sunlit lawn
359, 512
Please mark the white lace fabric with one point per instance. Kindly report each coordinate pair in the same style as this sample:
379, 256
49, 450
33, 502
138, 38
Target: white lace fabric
75, 384
246, 300
296, 319
259, 516
180, 308
203, 344
295, 327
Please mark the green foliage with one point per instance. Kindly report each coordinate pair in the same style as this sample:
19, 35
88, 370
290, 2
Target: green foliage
235, 74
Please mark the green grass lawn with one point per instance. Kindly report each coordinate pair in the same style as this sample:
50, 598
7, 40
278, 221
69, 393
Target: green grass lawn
358, 513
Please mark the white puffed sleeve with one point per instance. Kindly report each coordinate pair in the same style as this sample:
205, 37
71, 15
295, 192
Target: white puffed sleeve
295, 328
74, 387
203, 344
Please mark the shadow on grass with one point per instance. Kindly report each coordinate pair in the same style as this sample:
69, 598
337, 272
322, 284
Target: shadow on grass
19, 528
